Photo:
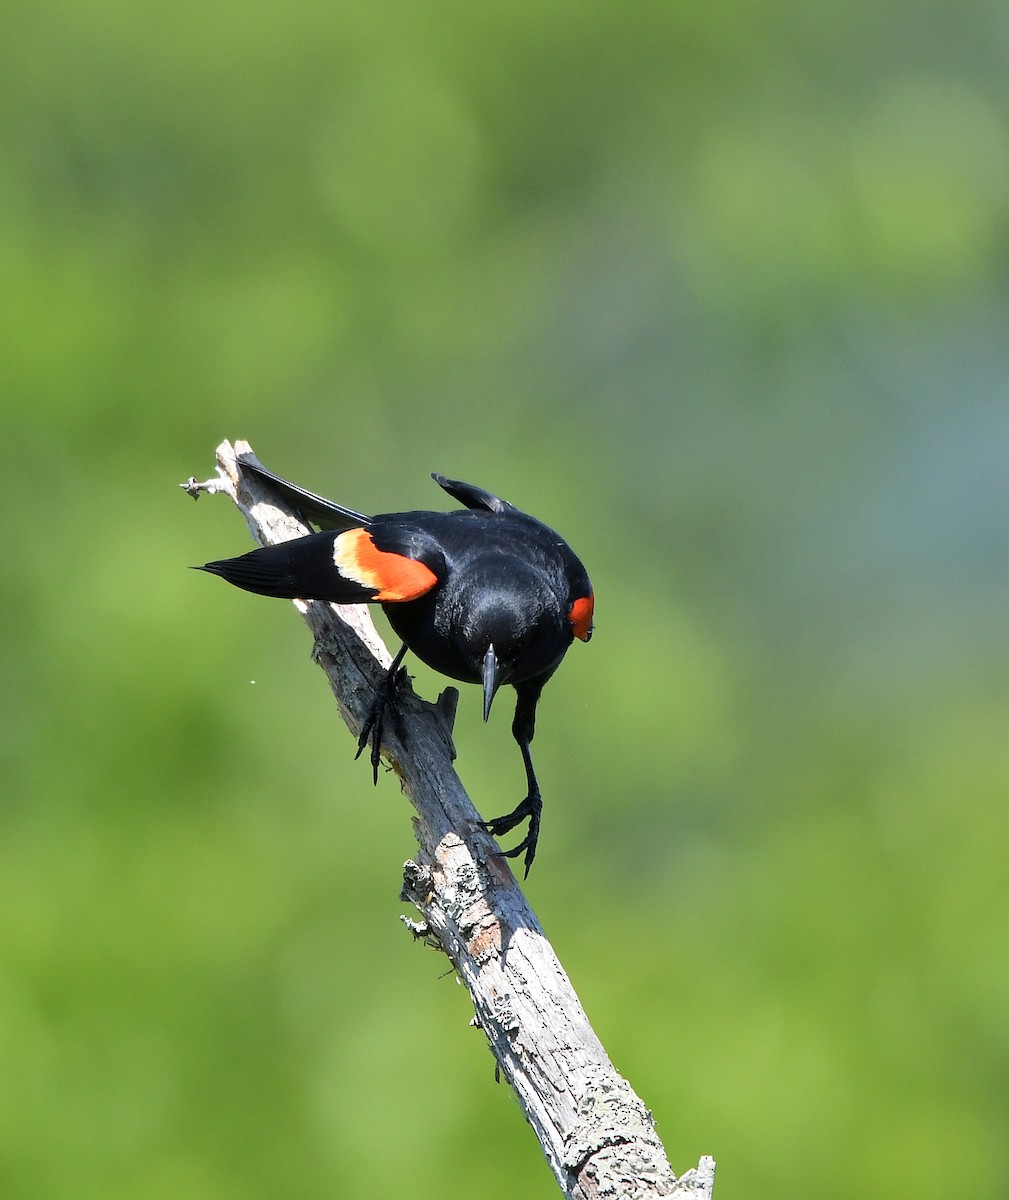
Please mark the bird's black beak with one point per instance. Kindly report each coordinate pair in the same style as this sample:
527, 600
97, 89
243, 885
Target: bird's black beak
491, 679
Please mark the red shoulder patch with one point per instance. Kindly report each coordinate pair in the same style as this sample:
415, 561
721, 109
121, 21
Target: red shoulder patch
392, 576
580, 617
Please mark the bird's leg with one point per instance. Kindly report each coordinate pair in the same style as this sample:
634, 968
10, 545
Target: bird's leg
523, 728
530, 807
371, 730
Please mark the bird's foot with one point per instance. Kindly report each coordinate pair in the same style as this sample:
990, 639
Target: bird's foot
530, 807
374, 722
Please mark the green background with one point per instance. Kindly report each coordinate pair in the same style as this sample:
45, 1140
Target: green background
716, 290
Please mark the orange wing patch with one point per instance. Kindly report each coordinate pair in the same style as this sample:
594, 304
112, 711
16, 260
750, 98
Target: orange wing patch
393, 576
580, 617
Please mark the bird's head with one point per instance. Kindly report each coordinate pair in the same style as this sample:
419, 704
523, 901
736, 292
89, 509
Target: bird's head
513, 635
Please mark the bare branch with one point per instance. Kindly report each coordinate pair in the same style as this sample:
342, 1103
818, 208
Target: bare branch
598, 1137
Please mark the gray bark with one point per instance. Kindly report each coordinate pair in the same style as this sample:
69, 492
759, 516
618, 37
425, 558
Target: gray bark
598, 1137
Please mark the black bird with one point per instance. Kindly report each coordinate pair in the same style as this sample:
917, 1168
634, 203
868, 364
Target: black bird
485, 594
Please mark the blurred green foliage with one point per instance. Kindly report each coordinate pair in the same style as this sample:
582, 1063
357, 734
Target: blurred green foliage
718, 291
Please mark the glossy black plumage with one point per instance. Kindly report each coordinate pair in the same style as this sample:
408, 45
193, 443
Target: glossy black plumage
486, 595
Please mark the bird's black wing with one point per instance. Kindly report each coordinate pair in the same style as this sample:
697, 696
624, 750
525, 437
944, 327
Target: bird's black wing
303, 569
473, 497
389, 561
317, 510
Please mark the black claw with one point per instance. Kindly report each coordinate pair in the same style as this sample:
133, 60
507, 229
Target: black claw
374, 722
529, 847
530, 807
371, 733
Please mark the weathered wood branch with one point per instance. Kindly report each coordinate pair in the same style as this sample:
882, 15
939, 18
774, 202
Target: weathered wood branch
598, 1137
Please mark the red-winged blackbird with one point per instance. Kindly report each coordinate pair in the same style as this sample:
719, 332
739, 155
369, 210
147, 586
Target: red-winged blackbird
484, 594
